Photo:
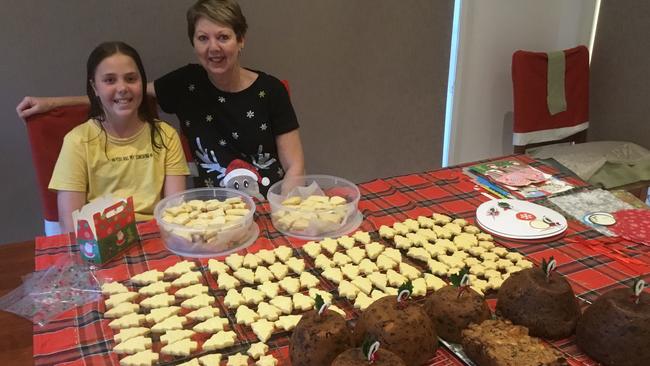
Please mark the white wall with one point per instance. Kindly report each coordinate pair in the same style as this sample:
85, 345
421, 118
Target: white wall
490, 32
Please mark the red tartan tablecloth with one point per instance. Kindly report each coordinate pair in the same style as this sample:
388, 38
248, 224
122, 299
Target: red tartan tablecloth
81, 336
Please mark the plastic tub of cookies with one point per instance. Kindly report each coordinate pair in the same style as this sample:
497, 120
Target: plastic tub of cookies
206, 222
313, 207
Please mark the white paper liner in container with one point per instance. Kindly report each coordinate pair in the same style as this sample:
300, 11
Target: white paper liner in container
314, 224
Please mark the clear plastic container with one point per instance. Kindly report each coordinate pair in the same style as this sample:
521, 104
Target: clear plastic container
210, 240
319, 220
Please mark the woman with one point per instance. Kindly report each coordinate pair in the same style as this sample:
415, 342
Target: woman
240, 123
121, 150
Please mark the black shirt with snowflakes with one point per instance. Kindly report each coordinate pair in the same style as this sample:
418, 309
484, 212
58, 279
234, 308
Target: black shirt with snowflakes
223, 127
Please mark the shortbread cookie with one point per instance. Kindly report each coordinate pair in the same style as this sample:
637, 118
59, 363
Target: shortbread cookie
363, 284
419, 287
279, 270
191, 291
400, 228
350, 271
412, 225
221, 340
227, 282
500, 251
233, 299
270, 289
308, 280
333, 274
267, 256
366, 266
341, 259
348, 290
330, 245
133, 345
514, 256
129, 333
283, 253
485, 244
312, 249
187, 278
252, 296
234, 261
471, 262
395, 279
356, 254
158, 301
393, 254
144, 358
147, 277
417, 239
378, 279
362, 301
437, 268
523, 263
119, 298
121, 309
203, 313
268, 311
441, 219
212, 325
433, 282
112, 288
127, 321
471, 229
155, 288
198, 302
257, 350
386, 232
283, 303
327, 297
346, 241
263, 275
323, 262
484, 237
385, 263
217, 267
175, 335
425, 222
290, 285
302, 302
237, 360
159, 314
180, 268
246, 315
409, 271
172, 323
402, 242
296, 265
213, 359
184, 347
288, 322
263, 329
245, 275
251, 261
362, 237
419, 254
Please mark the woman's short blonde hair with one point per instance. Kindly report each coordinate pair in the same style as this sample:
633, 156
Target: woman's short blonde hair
224, 12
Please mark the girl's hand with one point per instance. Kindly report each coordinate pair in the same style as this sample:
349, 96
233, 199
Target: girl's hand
30, 106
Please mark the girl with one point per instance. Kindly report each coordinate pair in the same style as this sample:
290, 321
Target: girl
239, 122
121, 150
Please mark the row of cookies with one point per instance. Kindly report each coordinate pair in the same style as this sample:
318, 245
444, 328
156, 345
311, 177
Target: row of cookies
163, 315
257, 352
446, 245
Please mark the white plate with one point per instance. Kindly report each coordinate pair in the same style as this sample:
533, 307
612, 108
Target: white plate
525, 220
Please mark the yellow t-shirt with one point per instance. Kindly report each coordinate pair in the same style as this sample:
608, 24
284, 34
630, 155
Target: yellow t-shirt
122, 167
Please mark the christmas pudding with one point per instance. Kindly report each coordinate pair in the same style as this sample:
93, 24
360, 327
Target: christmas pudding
400, 326
500, 343
541, 300
356, 357
453, 308
319, 337
615, 329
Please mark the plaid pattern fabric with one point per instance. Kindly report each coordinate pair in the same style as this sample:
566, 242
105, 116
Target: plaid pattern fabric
81, 336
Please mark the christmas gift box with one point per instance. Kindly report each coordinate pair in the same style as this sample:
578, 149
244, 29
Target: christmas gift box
104, 228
